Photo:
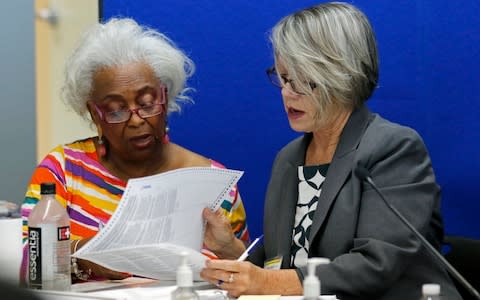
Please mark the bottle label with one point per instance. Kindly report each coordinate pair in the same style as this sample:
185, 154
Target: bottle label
63, 233
49, 255
34, 257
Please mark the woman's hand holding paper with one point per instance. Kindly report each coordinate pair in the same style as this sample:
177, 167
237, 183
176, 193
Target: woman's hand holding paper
219, 237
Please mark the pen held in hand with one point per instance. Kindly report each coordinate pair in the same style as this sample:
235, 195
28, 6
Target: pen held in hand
250, 248
245, 253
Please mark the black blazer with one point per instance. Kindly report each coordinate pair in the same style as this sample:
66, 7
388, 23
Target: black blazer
374, 256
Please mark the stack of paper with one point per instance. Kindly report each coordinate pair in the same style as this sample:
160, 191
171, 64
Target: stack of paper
159, 217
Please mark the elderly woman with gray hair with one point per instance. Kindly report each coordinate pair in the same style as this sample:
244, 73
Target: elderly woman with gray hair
125, 79
326, 67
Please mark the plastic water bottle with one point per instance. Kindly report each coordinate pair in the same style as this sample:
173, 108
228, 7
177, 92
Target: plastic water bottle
184, 289
311, 283
49, 243
431, 291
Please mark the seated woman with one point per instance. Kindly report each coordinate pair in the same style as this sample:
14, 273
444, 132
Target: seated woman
326, 66
125, 79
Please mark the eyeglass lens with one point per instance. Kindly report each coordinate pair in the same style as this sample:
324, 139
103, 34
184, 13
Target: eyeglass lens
281, 80
121, 116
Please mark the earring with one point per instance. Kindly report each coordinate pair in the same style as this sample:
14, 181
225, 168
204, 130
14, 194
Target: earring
166, 138
102, 150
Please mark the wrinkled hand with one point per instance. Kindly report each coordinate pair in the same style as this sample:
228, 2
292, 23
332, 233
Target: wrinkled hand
236, 277
219, 236
97, 270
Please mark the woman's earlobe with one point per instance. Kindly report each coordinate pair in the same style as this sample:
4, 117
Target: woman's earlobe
101, 148
166, 137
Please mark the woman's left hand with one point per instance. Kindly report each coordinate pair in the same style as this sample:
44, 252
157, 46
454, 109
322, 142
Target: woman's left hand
236, 277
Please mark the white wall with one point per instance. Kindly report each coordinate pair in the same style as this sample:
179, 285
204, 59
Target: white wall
57, 123
17, 98
33, 119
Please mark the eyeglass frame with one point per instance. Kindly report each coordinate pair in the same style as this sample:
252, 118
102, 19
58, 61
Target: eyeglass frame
163, 100
281, 81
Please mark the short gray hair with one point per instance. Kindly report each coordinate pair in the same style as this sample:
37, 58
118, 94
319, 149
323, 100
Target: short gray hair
332, 45
120, 42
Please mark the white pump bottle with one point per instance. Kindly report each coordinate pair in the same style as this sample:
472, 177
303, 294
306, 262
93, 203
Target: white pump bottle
184, 289
311, 283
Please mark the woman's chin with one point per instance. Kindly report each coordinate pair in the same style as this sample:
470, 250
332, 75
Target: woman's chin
299, 127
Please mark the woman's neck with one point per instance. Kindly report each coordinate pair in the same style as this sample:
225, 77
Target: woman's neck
325, 140
125, 169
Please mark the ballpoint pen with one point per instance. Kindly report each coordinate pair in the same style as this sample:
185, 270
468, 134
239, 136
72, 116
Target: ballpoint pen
245, 253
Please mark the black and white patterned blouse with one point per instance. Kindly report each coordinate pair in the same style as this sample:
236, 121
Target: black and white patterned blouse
310, 184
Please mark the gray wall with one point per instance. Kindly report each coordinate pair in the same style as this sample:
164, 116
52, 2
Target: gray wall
17, 96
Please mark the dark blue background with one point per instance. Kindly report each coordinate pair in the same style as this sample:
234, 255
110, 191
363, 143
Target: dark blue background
429, 62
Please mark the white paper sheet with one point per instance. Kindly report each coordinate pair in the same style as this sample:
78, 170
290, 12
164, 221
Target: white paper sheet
159, 217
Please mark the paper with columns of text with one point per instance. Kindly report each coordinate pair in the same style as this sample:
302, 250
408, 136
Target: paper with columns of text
157, 218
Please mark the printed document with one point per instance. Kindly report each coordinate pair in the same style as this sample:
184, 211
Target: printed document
157, 218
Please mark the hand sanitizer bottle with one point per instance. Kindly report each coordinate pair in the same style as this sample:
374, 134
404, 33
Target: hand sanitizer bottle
431, 291
311, 284
184, 289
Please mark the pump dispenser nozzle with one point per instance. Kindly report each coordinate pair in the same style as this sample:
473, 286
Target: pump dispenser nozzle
311, 284
184, 273
184, 289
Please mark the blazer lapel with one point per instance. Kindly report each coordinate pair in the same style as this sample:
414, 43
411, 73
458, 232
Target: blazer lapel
341, 165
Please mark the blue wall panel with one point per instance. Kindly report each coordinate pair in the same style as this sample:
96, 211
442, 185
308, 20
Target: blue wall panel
429, 60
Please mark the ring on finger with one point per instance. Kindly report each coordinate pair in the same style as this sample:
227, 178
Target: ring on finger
230, 279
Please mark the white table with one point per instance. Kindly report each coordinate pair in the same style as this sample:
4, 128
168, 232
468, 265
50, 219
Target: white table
131, 288
146, 289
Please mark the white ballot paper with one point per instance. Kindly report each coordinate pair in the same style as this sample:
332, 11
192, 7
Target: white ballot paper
157, 218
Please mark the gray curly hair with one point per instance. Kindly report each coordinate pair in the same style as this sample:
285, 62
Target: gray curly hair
119, 42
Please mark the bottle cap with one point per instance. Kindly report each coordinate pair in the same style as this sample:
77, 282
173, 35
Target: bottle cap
184, 273
47, 188
431, 289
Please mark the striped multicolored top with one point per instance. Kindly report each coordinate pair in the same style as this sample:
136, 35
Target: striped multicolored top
91, 193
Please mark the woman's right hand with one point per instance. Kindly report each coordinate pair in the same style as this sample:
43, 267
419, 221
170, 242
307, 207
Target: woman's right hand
96, 271
219, 237
244, 278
